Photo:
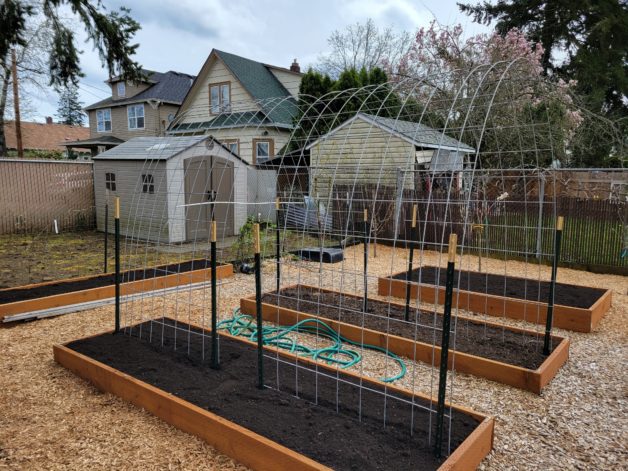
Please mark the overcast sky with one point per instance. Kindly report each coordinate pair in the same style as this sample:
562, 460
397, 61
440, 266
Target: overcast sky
179, 34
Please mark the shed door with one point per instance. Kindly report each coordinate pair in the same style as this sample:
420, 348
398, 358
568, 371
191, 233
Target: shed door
197, 191
222, 185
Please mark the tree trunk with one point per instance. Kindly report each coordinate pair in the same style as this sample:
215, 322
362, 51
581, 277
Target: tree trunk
3, 104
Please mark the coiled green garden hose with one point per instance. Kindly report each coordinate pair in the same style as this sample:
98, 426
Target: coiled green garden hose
244, 325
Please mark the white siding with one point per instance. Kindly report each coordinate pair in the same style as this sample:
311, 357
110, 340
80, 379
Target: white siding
290, 80
245, 135
196, 106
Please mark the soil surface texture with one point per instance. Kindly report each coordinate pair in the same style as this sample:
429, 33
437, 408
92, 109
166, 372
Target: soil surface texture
11, 295
508, 286
495, 343
333, 437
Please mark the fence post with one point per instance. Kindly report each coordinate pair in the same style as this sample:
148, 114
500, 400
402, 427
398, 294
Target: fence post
106, 232
444, 346
117, 276
410, 262
258, 307
215, 358
550, 301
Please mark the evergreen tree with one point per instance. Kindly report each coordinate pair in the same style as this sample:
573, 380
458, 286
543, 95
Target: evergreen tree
69, 108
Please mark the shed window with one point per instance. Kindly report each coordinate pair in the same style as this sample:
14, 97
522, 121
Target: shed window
136, 116
148, 185
103, 120
110, 181
220, 97
121, 89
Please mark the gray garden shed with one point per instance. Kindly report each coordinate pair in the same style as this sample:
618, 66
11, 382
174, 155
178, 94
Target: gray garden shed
169, 187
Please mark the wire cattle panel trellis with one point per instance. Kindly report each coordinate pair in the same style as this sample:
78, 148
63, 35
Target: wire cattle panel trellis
446, 162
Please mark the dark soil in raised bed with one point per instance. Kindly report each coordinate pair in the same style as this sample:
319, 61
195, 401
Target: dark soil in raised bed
495, 343
333, 437
22, 294
509, 286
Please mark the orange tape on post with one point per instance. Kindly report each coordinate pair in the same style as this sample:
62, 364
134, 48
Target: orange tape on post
256, 237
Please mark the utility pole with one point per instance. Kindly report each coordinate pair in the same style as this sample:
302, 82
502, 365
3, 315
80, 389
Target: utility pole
16, 106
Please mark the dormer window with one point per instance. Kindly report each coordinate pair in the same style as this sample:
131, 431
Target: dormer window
220, 97
121, 89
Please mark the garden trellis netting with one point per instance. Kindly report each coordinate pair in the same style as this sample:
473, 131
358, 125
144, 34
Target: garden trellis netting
384, 174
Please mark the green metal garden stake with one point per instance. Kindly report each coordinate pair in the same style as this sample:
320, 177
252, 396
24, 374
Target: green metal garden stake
410, 261
365, 304
550, 301
106, 234
278, 246
215, 358
258, 307
117, 277
444, 346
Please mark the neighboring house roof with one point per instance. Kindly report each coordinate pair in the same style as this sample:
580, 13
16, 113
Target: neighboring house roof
158, 148
415, 133
43, 136
169, 87
276, 102
95, 141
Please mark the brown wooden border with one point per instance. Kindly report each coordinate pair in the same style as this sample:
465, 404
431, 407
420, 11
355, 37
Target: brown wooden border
505, 373
241, 444
104, 292
565, 317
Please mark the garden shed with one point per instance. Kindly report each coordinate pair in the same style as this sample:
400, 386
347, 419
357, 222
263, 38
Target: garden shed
169, 187
369, 149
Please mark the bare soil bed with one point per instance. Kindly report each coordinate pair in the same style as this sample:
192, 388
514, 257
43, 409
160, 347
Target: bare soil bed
337, 440
49, 289
486, 341
507, 286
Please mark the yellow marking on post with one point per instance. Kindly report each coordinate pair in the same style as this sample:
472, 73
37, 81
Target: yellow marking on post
117, 207
213, 232
256, 237
414, 210
453, 241
366, 215
560, 223
277, 204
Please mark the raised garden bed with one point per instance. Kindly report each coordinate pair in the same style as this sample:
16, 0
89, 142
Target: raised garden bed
225, 408
70, 291
504, 354
577, 308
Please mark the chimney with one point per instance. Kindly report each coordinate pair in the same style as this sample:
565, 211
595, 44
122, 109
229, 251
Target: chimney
48, 120
295, 67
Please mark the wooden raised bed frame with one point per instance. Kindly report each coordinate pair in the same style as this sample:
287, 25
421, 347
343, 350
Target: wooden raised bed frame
565, 317
240, 443
104, 292
505, 373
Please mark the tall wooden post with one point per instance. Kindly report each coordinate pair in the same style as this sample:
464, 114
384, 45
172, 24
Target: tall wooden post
410, 262
444, 346
117, 250
16, 107
550, 297
258, 307
215, 358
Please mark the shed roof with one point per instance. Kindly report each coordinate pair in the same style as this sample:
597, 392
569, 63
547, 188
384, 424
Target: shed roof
415, 133
150, 148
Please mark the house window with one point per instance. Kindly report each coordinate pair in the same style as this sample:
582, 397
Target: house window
121, 89
233, 146
110, 181
148, 185
262, 149
220, 97
136, 116
103, 120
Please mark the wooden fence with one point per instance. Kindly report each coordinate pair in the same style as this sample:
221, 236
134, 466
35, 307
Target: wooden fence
595, 234
35, 193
